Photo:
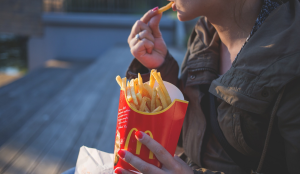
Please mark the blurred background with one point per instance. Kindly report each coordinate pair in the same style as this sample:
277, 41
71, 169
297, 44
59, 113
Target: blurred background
58, 63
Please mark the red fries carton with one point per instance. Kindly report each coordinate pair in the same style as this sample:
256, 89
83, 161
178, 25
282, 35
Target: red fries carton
163, 126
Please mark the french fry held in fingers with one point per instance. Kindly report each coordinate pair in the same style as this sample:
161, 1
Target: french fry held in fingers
165, 8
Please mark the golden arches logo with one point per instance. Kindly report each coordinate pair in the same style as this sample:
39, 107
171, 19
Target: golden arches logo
138, 144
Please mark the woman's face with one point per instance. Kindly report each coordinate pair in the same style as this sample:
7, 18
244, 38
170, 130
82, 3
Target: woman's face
190, 9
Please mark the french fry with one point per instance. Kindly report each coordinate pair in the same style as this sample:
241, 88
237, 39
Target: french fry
119, 80
129, 97
158, 73
133, 106
147, 109
162, 98
148, 101
139, 97
143, 104
154, 94
157, 109
133, 92
148, 88
165, 8
124, 80
157, 102
144, 96
152, 79
136, 86
140, 79
162, 86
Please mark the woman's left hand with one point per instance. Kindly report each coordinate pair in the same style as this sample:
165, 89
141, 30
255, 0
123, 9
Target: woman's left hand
170, 165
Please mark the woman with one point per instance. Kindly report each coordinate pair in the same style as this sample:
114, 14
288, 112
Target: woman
242, 65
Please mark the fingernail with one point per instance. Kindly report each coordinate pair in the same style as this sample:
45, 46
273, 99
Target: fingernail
154, 9
139, 135
118, 171
121, 153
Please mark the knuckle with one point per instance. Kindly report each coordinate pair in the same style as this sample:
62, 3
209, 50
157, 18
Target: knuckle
147, 140
159, 151
128, 40
145, 168
177, 167
133, 52
128, 158
143, 33
139, 23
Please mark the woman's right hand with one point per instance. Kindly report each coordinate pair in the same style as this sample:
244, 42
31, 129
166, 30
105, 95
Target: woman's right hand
150, 49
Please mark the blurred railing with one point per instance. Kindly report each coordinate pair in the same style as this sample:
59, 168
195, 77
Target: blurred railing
102, 6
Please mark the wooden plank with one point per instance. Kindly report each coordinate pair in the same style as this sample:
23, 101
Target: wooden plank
32, 77
60, 148
94, 128
111, 80
24, 108
12, 149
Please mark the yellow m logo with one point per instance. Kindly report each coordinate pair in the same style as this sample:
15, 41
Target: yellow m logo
139, 144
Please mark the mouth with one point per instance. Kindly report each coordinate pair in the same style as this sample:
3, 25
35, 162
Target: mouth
174, 6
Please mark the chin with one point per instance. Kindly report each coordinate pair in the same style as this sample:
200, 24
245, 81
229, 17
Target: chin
183, 17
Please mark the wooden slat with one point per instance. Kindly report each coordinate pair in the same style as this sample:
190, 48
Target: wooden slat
100, 116
26, 105
109, 82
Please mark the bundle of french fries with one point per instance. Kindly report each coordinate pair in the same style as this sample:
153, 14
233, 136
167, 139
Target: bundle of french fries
145, 97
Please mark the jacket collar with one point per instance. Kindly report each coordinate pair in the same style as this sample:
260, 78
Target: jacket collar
269, 60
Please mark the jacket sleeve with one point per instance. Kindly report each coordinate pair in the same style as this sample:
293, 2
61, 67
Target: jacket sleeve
289, 124
169, 70
205, 171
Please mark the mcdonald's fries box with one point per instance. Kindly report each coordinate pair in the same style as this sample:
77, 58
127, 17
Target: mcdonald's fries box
164, 127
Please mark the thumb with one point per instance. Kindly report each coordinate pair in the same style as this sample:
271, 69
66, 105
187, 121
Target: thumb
154, 25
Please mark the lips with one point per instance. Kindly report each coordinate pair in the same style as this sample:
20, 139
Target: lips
174, 7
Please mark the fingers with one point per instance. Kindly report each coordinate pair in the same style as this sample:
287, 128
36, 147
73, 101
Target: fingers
139, 164
152, 18
160, 152
141, 47
147, 16
179, 160
145, 34
137, 28
154, 25
123, 171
